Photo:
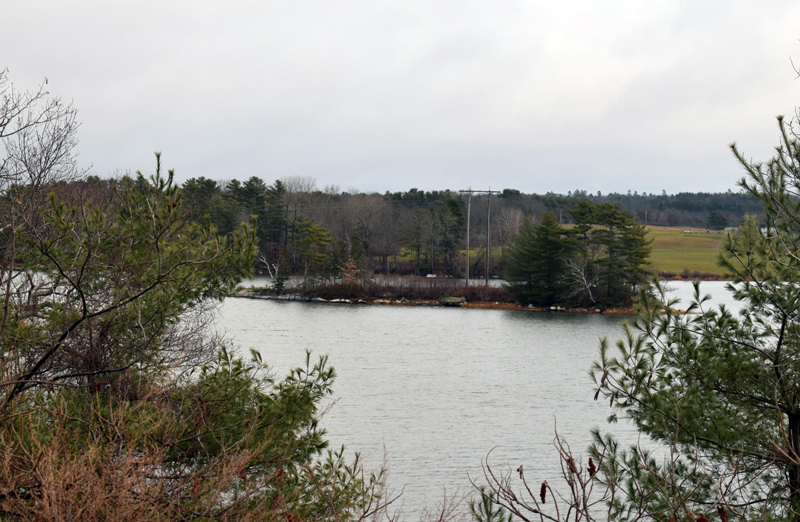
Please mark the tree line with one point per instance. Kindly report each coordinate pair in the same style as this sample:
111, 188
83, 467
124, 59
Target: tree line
416, 232
597, 261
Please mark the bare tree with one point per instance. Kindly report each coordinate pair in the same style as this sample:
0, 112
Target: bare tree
298, 193
386, 232
508, 222
39, 135
298, 196
615, 484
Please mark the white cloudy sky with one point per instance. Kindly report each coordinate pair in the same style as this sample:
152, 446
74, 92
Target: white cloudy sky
536, 95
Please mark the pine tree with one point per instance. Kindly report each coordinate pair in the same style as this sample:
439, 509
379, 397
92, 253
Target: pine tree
117, 402
717, 220
611, 251
282, 272
273, 220
534, 264
721, 390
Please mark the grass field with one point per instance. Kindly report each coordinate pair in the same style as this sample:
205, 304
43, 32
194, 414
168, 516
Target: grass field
675, 251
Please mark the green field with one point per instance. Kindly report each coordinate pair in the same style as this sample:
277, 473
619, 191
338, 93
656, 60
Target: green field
675, 251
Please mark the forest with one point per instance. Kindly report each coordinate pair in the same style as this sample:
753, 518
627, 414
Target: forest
417, 232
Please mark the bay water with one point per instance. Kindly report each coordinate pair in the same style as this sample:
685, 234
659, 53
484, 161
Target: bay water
431, 391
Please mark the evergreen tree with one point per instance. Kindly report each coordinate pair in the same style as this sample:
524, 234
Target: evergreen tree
116, 402
111, 407
450, 222
274, 222
197, 193
721, 390
206, 204
310, 242
611, 251
717, 220
599, 261
282, 272
534, 264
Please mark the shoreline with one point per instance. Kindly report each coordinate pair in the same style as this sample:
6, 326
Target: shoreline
482, 305
252, 293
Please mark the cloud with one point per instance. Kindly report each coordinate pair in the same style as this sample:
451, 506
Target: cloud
388, 95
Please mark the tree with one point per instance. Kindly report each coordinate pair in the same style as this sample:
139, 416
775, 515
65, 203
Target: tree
722, 390
386, 233
534, 265
310, 241
599, 261
39, 135
508, 219
205, 202
717, 220
112, 408
450, 220
282, 272
273, 222
716, 395
116, 401
297, 195
413, 234
610, 254
198, 192
132, 265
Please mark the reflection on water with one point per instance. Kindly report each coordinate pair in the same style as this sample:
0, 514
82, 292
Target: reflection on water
436, 389
716, 290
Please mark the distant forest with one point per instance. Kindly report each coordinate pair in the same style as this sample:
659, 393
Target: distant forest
318, 230
685, 209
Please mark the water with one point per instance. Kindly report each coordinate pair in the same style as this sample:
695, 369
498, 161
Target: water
433, 390
717, 290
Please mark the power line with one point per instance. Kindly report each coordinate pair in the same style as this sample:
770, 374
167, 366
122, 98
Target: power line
489, 192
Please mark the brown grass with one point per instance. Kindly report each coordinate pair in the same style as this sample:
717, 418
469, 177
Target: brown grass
413, 289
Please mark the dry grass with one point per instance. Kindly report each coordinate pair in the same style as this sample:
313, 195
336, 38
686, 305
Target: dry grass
55, 472
413, 289
120, 464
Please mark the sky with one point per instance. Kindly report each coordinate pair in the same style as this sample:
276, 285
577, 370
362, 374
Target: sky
376, 95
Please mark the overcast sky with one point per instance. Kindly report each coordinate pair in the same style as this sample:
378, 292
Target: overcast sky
614, 95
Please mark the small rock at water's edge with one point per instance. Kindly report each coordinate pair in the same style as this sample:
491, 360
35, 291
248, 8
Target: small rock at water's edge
452, 301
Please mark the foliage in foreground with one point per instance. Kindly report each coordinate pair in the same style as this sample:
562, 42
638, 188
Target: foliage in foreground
107, 413
716, 395
227, 444
104, 413
117, 399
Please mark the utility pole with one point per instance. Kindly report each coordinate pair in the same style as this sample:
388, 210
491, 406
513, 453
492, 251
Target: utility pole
469, 206
470, 192
488, 230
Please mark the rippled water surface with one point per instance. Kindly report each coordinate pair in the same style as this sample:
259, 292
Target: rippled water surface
435, 389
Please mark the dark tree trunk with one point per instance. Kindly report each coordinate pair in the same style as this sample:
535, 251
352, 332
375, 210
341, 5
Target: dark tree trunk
793, 470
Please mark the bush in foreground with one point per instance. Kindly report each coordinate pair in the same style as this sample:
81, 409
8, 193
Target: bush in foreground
117, 401
715, 394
